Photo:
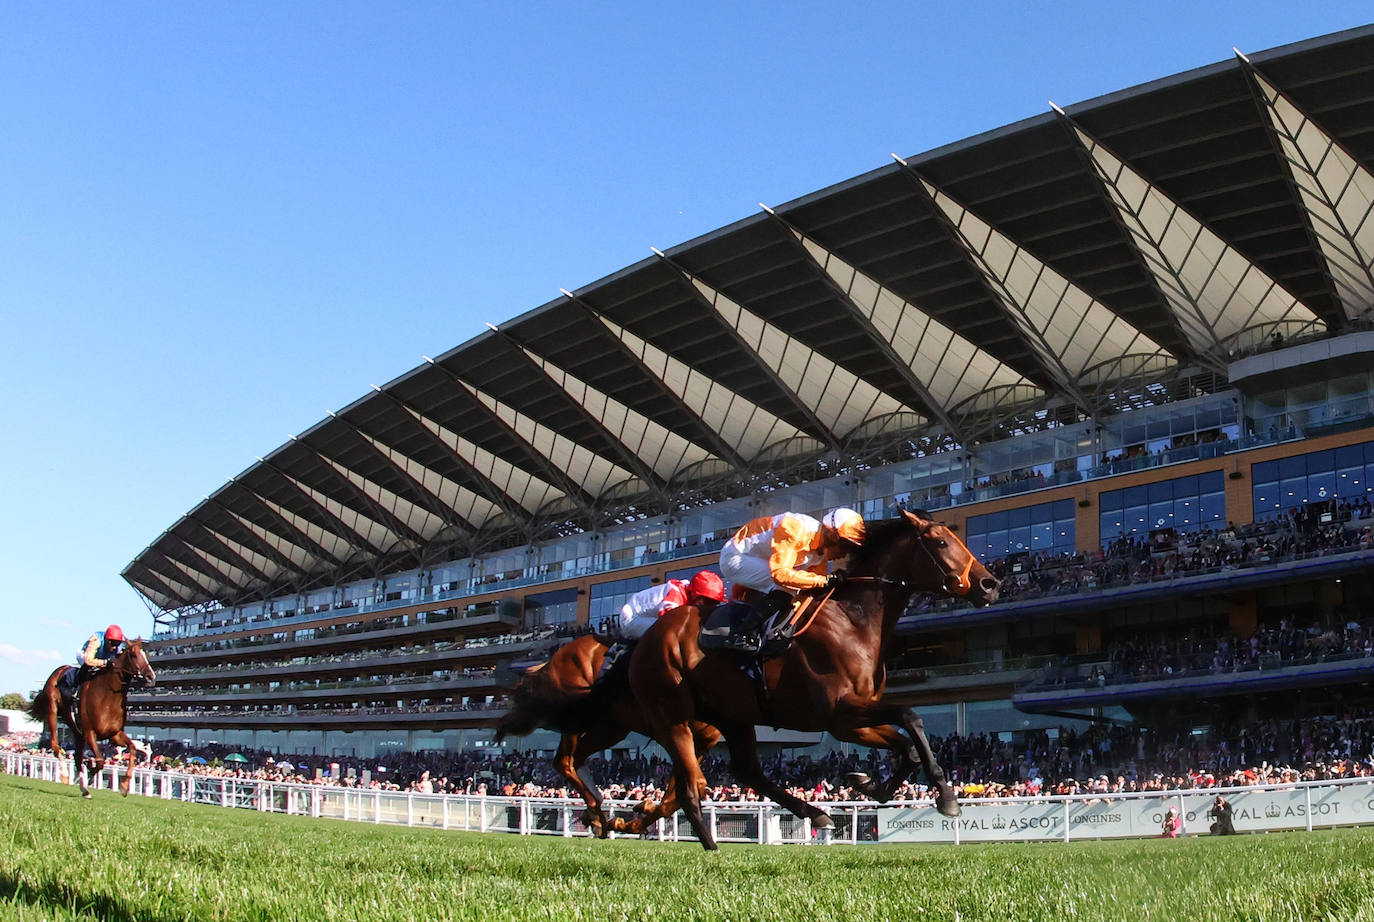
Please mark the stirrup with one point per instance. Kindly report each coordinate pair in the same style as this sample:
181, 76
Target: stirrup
743, 642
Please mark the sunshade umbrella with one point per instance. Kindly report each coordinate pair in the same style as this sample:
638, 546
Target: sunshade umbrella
235, 757
195, 760
286, 765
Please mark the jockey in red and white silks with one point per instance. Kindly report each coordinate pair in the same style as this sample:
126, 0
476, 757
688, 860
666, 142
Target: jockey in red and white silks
644, 607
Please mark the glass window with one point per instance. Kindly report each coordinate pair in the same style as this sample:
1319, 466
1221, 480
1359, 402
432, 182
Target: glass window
1318, 476
1046, 528
548, 608
1183, 503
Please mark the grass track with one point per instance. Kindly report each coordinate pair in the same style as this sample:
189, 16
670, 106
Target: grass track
144, 859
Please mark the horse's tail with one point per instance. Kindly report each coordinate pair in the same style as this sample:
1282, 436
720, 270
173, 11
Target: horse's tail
41, 703
537, 703
529, 710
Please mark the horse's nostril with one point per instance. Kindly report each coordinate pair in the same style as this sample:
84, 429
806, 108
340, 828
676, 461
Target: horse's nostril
989, 584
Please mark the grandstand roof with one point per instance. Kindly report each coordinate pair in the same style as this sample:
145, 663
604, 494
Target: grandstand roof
1068, 265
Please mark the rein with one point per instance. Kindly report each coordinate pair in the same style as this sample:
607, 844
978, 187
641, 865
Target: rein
881, 580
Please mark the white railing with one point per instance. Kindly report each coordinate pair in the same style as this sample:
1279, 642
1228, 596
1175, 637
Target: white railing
1305, 805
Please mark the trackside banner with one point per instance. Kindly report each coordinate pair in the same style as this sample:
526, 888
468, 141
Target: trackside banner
1129, 816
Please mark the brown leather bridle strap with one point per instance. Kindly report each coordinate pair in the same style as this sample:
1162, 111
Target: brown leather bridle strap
808, 608
959, 578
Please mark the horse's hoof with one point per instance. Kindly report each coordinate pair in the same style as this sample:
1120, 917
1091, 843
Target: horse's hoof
860, 782
822, 822
86, 795
948, 804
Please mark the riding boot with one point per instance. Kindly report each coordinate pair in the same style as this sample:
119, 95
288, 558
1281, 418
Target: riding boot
746, 635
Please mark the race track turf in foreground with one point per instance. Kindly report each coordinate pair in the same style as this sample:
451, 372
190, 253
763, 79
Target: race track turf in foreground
63, 858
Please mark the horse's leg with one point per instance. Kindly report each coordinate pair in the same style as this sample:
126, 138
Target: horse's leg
97, 760
704, 737
691, 783
53, 722
567, 765
909, 749
947, 801
78, 763
122, 739
744, 763
574, 749
670, 717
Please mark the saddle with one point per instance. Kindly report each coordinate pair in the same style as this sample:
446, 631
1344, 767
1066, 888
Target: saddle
720, 631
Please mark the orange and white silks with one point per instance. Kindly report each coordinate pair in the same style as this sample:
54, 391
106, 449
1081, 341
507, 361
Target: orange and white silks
783, 551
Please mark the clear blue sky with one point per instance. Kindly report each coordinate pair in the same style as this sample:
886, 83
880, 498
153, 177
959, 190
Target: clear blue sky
218, 222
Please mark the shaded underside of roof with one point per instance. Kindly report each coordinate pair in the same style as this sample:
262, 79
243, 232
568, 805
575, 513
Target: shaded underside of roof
1044, 271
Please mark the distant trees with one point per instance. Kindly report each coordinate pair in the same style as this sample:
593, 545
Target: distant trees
13, 701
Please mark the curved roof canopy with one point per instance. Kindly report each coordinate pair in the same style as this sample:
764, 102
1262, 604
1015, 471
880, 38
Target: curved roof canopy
1049, 270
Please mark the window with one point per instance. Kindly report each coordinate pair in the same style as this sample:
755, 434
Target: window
1046, 528
1339, 473
1184, 504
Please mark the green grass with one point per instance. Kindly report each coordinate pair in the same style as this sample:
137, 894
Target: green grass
62, 858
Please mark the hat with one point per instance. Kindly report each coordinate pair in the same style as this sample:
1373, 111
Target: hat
114, 634
846, 523
708, 585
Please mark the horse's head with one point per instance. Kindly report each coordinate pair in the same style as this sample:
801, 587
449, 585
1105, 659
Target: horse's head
949, 565
133, 666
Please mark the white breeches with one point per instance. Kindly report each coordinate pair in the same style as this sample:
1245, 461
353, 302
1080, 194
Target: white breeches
745, 570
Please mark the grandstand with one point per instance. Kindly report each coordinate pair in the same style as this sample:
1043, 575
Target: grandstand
1124, 348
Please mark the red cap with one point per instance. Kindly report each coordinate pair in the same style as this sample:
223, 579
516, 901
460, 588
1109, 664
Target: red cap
114, 634
707, 585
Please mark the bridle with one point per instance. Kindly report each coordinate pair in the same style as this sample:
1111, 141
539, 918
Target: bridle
129, 673
956, 582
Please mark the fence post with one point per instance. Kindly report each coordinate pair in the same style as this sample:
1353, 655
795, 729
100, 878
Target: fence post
410, 810
1307, 793
446, 800
377, 807
1066, 819
223, 793
567, 822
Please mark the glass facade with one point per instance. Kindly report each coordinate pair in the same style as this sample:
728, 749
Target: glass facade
607, 598
1184, 504
1047, 528
543, 609
1336, 473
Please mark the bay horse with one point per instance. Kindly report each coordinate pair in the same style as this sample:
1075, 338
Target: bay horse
563, 694
831, 678
102, 707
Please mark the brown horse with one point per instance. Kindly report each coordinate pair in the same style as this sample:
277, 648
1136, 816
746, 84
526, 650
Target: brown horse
562, 694
102, 707
831, 678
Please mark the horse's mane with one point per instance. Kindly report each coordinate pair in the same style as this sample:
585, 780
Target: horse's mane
879, 535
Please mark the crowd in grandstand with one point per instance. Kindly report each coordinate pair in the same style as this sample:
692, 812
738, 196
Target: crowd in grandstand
1143, 558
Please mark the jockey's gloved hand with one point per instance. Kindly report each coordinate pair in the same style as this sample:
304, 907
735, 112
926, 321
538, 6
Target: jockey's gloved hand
836, 577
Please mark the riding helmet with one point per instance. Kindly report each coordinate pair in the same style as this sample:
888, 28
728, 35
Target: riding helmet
707, 585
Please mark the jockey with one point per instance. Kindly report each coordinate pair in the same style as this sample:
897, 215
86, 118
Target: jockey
783, 554
100, 648
644, 608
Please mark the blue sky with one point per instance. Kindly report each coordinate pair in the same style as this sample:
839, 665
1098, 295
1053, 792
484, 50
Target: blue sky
220, 222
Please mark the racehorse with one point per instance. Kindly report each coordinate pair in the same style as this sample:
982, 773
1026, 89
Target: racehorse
830, 678
563, 694
102, 706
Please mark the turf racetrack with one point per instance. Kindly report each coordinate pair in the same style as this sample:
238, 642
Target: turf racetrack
63, 858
